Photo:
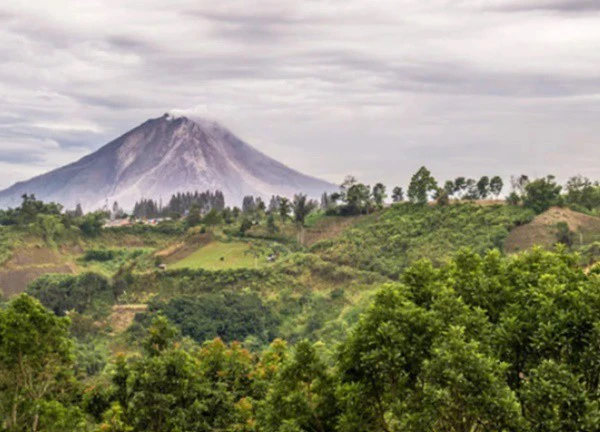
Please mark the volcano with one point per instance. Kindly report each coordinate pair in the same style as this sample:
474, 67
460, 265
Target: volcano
163, 156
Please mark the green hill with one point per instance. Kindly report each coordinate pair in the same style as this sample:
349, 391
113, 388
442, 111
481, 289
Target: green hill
389, 241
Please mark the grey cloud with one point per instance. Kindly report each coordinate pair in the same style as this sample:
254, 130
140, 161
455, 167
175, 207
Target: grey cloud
313, 85
20, 157
569, 6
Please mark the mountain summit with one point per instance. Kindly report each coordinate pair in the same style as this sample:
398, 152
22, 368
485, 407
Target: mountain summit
163, 156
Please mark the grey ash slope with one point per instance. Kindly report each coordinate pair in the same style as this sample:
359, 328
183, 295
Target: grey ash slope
163, 156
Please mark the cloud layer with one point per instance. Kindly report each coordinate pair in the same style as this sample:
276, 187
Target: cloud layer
330, 87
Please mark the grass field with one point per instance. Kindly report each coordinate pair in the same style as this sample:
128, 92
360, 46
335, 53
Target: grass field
219, 256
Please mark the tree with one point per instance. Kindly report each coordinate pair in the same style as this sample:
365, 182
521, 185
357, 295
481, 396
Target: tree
422, 184
116, 211
36, 356
49, 227
496, 185
261, 207
271, 225
229, 315
194, 218
518, 183
555, 400
358, 199
513, 199
379, 195
460, 184
483, 187
302, 396
464, 389
78, 210
245, 225
212, 217
381, 360
302, 207
442, 197
449, 188
470, 190
248, 204
348, 182
397, 194
582, 193
325, 201
91, 224
284, 208
541, 194
274, 204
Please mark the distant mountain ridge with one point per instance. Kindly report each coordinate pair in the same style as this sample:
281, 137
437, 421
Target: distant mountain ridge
163, 156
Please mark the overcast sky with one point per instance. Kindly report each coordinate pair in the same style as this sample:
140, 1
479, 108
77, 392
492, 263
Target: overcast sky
372, 88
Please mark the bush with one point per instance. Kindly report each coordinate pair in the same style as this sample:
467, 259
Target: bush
101, 255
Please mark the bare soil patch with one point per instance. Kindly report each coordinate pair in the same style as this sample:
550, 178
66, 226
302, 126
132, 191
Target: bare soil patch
541, 231
15, 281
123, 315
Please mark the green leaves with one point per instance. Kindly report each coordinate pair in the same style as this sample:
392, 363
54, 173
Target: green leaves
35, 365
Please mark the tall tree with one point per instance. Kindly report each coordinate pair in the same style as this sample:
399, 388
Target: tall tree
422, 185
379, 195
284, 208
302, 207
248, 204
397, 194
496, 185
483, 187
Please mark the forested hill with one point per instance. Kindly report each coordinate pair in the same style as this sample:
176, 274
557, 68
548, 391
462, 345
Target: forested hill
450, 312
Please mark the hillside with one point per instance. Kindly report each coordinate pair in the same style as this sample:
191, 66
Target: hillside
163, 156
389, 241
541, 231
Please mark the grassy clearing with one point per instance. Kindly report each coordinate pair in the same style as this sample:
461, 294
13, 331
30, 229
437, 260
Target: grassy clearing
220, 256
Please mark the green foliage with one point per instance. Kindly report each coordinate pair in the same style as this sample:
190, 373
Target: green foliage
422, 185
62, 293
496, 185
49, 227
555, 399
28, 211
582, 194
397, 194
494, 344
564, 234
91, 224
227, 315
405, 233
245, 225
35, 363
302, 395
541, 194
167, 228
99, 255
